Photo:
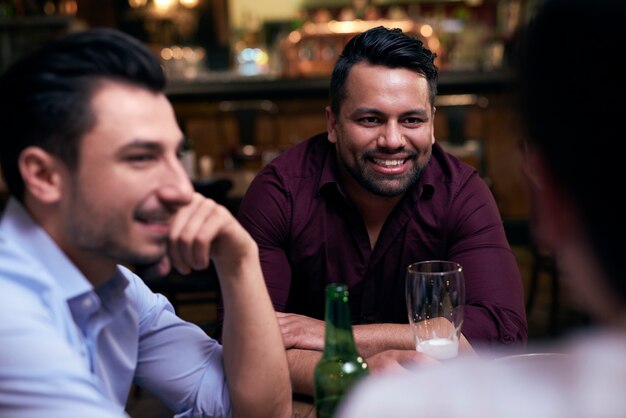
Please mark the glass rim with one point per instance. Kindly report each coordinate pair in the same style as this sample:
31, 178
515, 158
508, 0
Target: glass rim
453, 266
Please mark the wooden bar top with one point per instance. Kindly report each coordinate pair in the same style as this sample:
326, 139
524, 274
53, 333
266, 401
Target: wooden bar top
230, 86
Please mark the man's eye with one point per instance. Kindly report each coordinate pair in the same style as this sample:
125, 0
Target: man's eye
370, 120
139, 158
412, 121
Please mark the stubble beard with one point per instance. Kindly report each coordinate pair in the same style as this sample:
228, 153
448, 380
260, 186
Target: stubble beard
102, 234
382, 185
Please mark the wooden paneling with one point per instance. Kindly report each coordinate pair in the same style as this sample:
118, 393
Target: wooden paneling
213, 134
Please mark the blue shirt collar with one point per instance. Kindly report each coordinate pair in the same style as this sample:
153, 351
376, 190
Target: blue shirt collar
20, 228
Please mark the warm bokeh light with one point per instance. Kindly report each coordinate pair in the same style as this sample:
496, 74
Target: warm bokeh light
166, 54
163, 4
188, 3
294, 37
49, 8
68, 7
137, 3
426, 31
434, 44
177, 52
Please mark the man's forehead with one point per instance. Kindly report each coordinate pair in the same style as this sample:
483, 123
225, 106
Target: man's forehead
125, 113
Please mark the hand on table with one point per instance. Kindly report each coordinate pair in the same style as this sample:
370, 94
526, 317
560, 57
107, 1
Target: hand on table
301, 331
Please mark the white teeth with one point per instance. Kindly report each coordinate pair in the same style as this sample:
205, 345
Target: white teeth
389, 163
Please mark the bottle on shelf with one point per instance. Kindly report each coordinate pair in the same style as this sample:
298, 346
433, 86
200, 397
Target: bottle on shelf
341, 366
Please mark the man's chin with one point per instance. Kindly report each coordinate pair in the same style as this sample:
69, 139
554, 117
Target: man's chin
389, 188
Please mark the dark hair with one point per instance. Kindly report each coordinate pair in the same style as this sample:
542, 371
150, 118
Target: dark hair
45, 96
381, 46
573, 99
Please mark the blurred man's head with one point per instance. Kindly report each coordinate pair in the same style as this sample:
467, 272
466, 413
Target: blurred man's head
91, 146
573, 95
45, 96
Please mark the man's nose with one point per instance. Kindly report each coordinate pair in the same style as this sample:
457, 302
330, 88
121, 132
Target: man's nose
176, 184
392, 136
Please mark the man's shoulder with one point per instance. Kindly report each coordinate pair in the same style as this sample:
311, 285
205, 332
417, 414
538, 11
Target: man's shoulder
445, 168
305, 158
289, 182
16, 261
27, 290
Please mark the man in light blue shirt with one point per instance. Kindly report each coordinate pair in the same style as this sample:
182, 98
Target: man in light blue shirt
89, 151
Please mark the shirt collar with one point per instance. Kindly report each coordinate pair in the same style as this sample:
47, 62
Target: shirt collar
431, 172
330, 173
110, 295
21, 229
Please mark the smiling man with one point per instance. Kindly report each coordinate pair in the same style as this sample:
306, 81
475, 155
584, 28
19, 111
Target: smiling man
359, 203
90, 152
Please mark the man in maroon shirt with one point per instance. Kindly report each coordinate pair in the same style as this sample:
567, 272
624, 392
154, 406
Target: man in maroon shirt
375, 193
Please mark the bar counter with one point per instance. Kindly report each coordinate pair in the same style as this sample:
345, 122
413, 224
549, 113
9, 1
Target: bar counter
230, 86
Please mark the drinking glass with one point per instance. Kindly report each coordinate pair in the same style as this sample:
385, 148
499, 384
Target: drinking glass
435, 294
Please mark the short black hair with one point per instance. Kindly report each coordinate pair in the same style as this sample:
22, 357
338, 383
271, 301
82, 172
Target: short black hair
45, 99
573, 98
387, 47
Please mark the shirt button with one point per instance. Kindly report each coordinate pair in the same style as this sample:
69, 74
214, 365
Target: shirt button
87, 302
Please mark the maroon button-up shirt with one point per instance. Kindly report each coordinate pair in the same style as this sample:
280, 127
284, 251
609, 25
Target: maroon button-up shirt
309, 234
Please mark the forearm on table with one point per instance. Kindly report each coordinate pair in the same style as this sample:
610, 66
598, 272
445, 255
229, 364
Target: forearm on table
301, 367
256, 370
374, 338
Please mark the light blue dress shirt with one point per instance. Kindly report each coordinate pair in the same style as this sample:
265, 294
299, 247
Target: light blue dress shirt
69, 350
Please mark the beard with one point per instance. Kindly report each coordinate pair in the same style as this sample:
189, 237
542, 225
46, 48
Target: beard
105, 233
381, 184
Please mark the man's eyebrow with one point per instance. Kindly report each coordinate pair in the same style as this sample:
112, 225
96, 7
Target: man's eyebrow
149, 144
146, 144
371, 110
366, 110
417, 111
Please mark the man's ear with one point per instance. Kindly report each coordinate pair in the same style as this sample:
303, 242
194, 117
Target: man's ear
40, 171
331, 123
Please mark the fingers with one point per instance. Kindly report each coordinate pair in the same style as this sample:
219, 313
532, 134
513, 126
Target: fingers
300, 331
204, 231
193, 230
284, 322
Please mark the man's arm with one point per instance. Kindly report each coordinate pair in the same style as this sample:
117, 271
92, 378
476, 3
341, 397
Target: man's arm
41, 373
375, 338
306, 333
254, 361
385, 345
494, 312
301, 367
302, 362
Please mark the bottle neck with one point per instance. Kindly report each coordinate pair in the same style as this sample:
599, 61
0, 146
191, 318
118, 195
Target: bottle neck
339, 340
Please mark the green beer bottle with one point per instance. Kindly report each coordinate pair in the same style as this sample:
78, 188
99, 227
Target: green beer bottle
341, 365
